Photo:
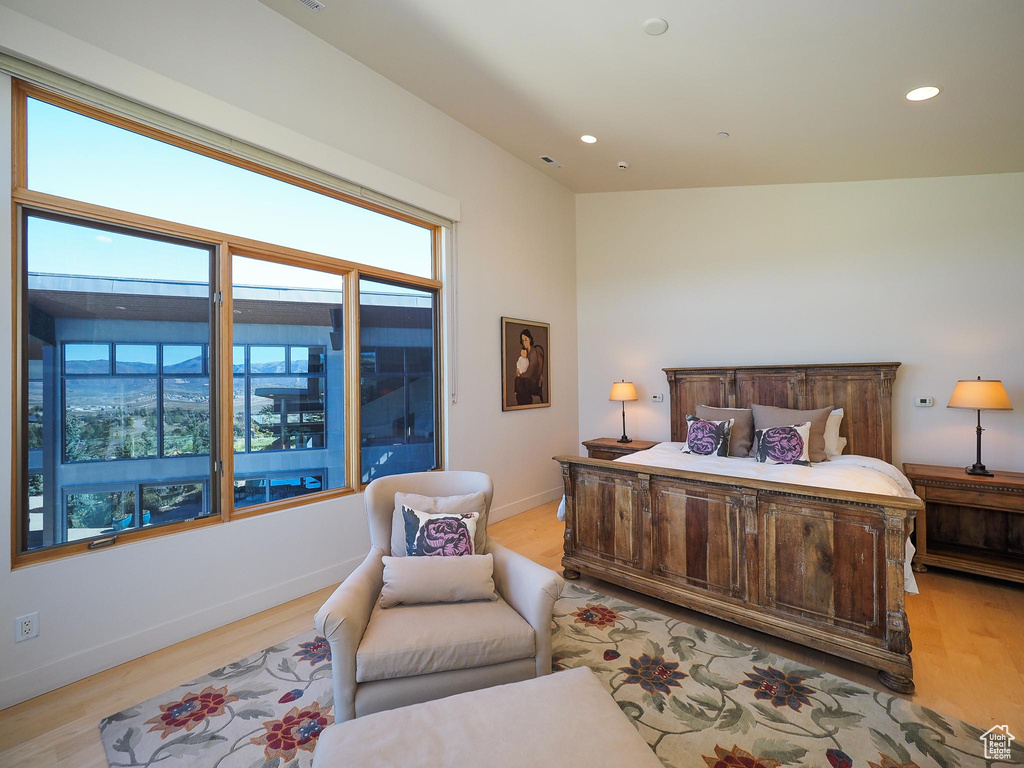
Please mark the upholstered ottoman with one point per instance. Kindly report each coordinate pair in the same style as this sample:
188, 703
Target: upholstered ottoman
566, 718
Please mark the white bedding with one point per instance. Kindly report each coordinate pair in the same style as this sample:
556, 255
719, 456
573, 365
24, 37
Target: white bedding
844, 473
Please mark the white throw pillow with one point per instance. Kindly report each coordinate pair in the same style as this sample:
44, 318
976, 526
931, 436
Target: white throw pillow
414, 580
443, 535
452, 505
834, 444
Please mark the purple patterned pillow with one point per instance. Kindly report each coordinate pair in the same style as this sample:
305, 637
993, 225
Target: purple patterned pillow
783, 445
439, 535
705, 438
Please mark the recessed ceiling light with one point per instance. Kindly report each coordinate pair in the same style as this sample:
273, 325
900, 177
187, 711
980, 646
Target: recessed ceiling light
586, 138
923, 93
655, 27
722, 135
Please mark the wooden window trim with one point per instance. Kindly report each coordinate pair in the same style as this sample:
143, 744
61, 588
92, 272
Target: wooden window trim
25, 201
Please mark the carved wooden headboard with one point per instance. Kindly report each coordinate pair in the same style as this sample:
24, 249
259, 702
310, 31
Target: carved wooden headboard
863, 390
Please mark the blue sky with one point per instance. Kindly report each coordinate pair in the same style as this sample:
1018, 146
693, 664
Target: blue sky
84, 159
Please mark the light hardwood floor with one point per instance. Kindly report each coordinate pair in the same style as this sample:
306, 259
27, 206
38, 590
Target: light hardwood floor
968, 655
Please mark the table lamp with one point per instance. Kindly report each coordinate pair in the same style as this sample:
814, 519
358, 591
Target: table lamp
980, 395
623, 391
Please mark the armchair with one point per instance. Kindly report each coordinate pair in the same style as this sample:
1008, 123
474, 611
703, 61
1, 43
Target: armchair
388, 658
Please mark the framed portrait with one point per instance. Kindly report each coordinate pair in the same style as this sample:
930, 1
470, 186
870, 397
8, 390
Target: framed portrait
525, 364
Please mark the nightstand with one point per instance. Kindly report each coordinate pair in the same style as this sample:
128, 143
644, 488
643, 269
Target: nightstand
969, 523
610, 448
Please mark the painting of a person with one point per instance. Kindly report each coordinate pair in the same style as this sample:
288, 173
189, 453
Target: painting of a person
528, 377
525, 364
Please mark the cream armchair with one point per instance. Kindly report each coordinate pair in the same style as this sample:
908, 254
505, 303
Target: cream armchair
383, 659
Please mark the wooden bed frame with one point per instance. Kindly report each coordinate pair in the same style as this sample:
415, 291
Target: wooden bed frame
817, 566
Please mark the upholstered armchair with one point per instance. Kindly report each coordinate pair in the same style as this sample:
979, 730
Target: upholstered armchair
388, 658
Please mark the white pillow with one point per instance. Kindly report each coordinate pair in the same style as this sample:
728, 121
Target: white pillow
414, 580
834, 444
443, 535
453, 505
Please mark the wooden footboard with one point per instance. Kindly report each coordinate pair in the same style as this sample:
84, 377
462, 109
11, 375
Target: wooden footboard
817, 566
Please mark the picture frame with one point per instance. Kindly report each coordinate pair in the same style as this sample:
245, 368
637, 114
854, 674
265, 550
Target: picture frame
525, 379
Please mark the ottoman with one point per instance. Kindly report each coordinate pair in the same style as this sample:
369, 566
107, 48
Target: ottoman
566, 718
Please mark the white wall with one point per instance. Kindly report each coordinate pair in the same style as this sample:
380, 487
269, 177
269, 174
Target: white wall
236, 66
928, 272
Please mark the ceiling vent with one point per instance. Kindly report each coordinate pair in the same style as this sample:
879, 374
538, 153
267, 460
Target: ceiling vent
315, 5
549, 160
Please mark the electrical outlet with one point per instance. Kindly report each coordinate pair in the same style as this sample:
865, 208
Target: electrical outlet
659, 398
26, 627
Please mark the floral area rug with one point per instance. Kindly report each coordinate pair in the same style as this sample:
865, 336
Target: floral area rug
703, 699
265, 711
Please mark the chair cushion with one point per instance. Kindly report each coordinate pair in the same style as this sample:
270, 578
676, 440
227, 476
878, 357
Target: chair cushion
411, 640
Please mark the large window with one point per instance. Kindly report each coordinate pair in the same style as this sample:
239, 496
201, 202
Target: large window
184, 342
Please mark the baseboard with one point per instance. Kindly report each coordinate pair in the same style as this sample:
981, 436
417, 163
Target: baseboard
31, 683
509, 510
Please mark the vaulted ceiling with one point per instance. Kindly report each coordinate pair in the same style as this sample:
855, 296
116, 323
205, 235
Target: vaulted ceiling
807, 91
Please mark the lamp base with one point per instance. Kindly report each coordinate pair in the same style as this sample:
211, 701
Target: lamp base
625, 439
978, 469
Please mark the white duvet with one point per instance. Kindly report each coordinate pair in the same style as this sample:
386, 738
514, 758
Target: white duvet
844, 473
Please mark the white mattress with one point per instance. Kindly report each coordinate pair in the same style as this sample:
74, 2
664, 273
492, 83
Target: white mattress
863, 474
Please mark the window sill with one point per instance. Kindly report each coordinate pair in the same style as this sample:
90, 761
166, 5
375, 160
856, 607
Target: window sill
71, 549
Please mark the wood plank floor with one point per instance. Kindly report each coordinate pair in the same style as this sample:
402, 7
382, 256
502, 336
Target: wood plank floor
968, 655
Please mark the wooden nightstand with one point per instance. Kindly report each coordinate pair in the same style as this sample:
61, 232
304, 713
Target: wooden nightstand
610, 448
969, 523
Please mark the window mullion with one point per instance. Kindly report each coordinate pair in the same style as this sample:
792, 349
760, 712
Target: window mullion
223, 457
353, 387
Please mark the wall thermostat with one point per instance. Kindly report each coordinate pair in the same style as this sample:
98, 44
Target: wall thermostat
659, 398
924, 402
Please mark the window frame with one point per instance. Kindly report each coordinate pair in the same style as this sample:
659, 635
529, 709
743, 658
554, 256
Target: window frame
219, 348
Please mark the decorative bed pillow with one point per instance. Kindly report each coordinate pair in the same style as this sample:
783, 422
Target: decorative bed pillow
766, 416
741, 438
442, 535
435, 505
783, 445
834, 444
707, 437
414, 580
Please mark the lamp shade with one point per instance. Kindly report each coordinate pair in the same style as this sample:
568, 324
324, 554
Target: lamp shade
623, 390
980, 395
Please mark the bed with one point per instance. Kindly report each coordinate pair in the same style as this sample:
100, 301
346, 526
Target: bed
816, 554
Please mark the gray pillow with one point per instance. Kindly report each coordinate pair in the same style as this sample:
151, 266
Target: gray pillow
766, 416
415, 580
741, 439
434, 505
